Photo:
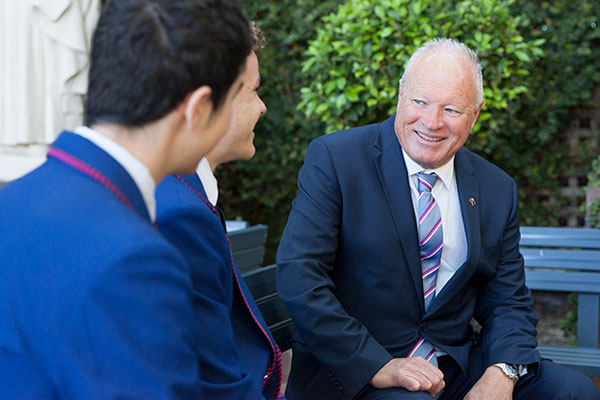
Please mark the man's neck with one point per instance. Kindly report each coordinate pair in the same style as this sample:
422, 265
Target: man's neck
147, 144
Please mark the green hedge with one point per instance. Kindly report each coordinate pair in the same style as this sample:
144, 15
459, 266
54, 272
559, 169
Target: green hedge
360, 52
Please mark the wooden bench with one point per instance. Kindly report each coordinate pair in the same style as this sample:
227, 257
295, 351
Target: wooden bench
248, 247
568, 260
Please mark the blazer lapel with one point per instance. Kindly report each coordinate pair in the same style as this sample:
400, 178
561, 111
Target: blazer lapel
468, 195
92, 155
393, 177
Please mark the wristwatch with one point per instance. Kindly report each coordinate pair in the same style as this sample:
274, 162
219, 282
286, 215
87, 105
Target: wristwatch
510, 370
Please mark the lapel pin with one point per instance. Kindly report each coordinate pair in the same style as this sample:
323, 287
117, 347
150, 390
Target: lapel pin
472, 201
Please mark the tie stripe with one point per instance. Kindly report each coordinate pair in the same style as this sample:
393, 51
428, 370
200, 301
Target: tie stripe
430, 271
426, 213
433, 253
433, 231
430, 246
414, 350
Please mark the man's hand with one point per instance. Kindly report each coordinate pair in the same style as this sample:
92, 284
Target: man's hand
493, 385
414, 374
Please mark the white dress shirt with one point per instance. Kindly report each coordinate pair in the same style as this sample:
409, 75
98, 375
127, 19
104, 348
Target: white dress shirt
136, 169
445, 192
209, 182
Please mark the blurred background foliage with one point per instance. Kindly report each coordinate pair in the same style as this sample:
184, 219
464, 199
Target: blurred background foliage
330, 64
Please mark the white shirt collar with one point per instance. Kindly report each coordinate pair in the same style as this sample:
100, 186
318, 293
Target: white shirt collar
209, 182
445, 172
136, 169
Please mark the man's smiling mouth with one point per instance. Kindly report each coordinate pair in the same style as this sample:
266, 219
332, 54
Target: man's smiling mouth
428, 138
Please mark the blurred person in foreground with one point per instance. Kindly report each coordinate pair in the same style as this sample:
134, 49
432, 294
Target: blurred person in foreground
94, 302
242, 360
398, 238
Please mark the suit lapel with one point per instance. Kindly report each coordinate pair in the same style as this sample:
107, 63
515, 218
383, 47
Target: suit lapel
468, 196
393, 177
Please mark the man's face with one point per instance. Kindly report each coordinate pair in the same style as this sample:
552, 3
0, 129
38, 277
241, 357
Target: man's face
436, 109
247, 109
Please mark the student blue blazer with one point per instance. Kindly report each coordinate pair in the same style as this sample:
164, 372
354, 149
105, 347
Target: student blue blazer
94, 302
240, 359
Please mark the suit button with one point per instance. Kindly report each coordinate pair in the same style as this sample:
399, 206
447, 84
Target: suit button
266, 377
423, 326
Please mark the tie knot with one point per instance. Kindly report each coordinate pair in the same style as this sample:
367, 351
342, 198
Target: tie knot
426, 181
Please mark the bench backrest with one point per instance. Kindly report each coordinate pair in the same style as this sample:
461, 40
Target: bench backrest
556, 259
566, 260
261, 283
248, 247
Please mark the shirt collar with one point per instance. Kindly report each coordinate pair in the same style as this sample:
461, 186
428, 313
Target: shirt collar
445, 172
209, 182
134, 167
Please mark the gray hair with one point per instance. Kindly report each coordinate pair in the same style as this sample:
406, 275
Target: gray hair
453, 46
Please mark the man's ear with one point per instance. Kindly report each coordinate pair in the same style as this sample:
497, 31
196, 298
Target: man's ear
198, 107
399, 96
476, 113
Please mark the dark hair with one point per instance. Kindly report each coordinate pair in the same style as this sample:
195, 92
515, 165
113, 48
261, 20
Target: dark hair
148, 55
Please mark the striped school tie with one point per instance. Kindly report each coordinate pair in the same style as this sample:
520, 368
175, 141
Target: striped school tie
430, 244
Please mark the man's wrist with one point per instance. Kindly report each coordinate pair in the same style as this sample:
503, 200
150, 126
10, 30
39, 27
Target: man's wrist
513, 371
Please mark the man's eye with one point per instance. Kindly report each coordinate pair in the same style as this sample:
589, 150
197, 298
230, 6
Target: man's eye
417, 101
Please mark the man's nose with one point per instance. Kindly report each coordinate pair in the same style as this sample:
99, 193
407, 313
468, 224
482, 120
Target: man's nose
433, 118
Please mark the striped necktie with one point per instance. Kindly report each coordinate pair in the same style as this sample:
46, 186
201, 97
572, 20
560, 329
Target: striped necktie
430, 245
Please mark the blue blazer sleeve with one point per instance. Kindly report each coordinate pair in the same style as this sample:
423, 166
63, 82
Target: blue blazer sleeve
305, 260
505, 306
199, 236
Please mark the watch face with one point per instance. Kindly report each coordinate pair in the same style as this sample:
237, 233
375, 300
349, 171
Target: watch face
513, 369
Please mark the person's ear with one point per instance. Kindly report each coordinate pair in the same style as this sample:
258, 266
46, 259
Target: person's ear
476, 113
198, 107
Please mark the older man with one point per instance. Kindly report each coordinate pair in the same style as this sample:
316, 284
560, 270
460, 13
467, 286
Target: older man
399, 237
241, 359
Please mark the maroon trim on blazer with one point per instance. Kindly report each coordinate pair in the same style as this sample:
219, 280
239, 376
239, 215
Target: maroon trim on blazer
276, 352
90, 171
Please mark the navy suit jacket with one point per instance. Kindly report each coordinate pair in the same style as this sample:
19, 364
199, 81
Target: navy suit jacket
349, 268
94, 302
240, 359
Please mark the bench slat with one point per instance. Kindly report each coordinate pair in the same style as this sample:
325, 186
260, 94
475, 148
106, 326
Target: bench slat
581, 260
583, 238
261, 281
583, 359
582, 282
282, 333
253, 236
249, 259
273, 310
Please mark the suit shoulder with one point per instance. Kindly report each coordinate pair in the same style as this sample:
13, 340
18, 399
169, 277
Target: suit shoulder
486, 168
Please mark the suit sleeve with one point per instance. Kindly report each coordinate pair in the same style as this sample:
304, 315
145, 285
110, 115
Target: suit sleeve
305, 259
196, 232
505, 305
